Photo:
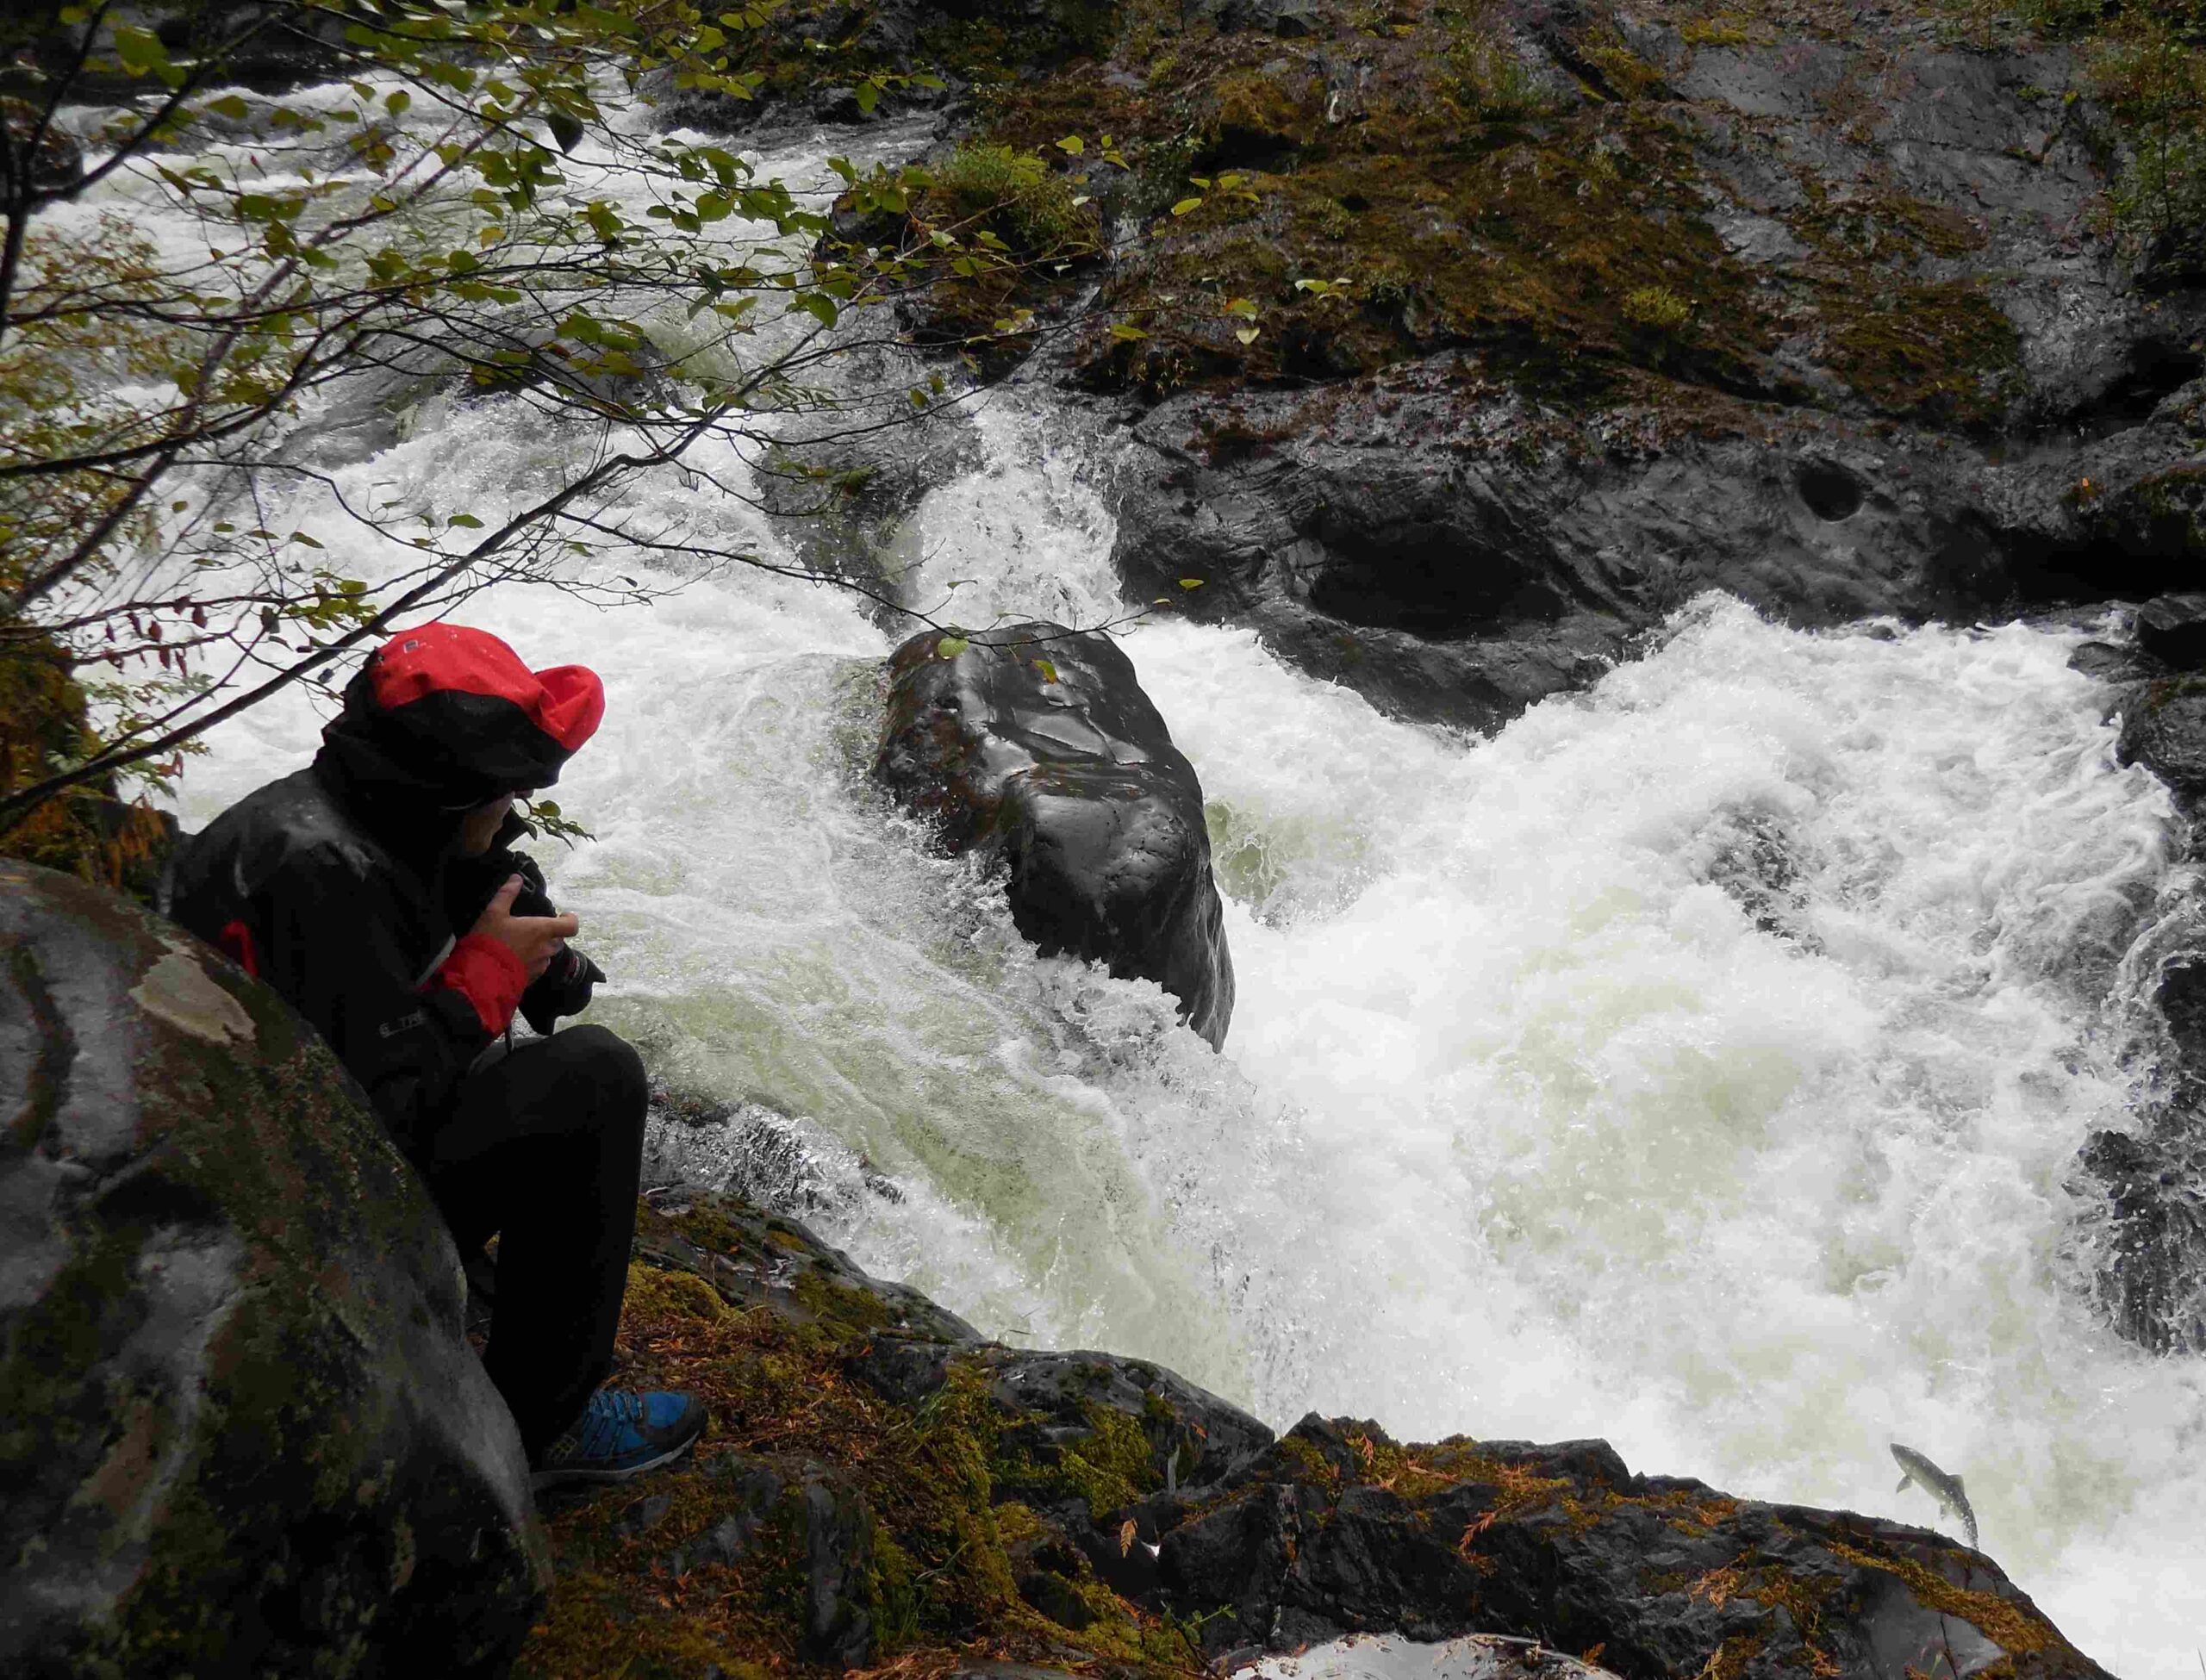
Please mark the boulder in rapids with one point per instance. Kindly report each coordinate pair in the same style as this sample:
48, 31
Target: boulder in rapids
241, 1432
1037, 744
2172, 629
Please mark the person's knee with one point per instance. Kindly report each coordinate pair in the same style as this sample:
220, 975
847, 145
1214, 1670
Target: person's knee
613, 1069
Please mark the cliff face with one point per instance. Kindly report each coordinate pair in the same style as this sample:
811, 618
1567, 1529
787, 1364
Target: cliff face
883, 1487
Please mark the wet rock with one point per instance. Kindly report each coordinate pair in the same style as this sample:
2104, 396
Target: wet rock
757, 1155
1345, 1532
2172, 629
1093, 1428
1036, 745
2164, 729
2149, 1212
1752, 856
1065, 1509
1455, 554
57, 163
395, 386
843, 496
809, 1518
243, 1430
762, 1259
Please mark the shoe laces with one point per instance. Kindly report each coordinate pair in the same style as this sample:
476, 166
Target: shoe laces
610, 1411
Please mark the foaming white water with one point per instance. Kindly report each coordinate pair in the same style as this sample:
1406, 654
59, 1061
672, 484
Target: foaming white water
1698, 1063
1582, 1149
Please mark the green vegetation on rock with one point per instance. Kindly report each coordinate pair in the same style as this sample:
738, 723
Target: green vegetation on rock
948, 1503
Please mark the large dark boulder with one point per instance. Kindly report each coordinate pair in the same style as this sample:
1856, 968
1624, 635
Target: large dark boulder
2172, 629
1037, 744
1429, 540
241, 1432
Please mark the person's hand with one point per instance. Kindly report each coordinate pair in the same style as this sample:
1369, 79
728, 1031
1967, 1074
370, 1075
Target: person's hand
534, 939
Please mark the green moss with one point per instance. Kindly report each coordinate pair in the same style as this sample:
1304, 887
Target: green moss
944, 1482
1946, 352
1259, 109
1483, 77
1657, 307
1308, 1465
1016, 195
1722, 29
1113, 1467
2017, 1630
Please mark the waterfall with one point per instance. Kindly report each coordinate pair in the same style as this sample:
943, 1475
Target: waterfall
1698, 1063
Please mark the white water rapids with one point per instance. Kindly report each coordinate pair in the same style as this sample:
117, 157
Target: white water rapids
1525, 1128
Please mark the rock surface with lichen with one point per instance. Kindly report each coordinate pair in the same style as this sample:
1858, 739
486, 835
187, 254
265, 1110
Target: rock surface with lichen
1458, 342
883, 1488
241, 1431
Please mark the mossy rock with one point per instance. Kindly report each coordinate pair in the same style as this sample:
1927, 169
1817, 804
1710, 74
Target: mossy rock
240, 1430
86, 831
832, 1516
1090, 1513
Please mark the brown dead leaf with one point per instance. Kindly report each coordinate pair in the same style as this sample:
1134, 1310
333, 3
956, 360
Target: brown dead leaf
1127, 1537
1479, 1524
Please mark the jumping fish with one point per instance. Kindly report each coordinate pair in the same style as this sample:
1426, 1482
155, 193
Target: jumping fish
1952, 1498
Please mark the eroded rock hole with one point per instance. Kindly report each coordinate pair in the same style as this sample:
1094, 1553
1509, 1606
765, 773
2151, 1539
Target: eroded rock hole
1832, 494
1435, 586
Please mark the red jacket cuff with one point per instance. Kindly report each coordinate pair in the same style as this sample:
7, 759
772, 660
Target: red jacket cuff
487, 973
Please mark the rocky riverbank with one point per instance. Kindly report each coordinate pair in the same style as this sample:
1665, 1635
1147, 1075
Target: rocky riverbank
244, 1419
883, 1486
1456, 342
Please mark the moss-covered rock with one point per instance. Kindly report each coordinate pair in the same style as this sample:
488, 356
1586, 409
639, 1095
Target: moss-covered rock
241, 1431
1019, 1511
45, 726
1461, 342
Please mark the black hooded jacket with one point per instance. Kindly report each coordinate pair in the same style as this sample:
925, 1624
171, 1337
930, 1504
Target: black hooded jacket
340, 884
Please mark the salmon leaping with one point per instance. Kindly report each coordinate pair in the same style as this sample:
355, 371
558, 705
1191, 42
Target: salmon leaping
1952, 1498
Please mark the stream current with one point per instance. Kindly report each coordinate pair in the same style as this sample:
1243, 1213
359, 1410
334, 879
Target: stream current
1698, 1063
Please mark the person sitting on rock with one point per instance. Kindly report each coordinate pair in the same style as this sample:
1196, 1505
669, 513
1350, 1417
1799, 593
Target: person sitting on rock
343, 886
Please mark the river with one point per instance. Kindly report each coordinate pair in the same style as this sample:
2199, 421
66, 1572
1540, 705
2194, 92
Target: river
1698, 1063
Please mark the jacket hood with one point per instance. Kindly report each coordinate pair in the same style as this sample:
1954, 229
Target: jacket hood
444, 718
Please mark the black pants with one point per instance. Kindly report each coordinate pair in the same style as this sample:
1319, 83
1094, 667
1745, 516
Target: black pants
544, 1149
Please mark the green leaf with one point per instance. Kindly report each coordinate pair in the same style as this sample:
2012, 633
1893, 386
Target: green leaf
139, 49
1120, 329
869, 95
1072, 144
229, 105
467, 521
1048, 671
1191, 583
950, 646
1247, 334
1185, 205
396, 101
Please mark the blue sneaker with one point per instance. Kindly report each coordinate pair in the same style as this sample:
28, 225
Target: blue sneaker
621, 1433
